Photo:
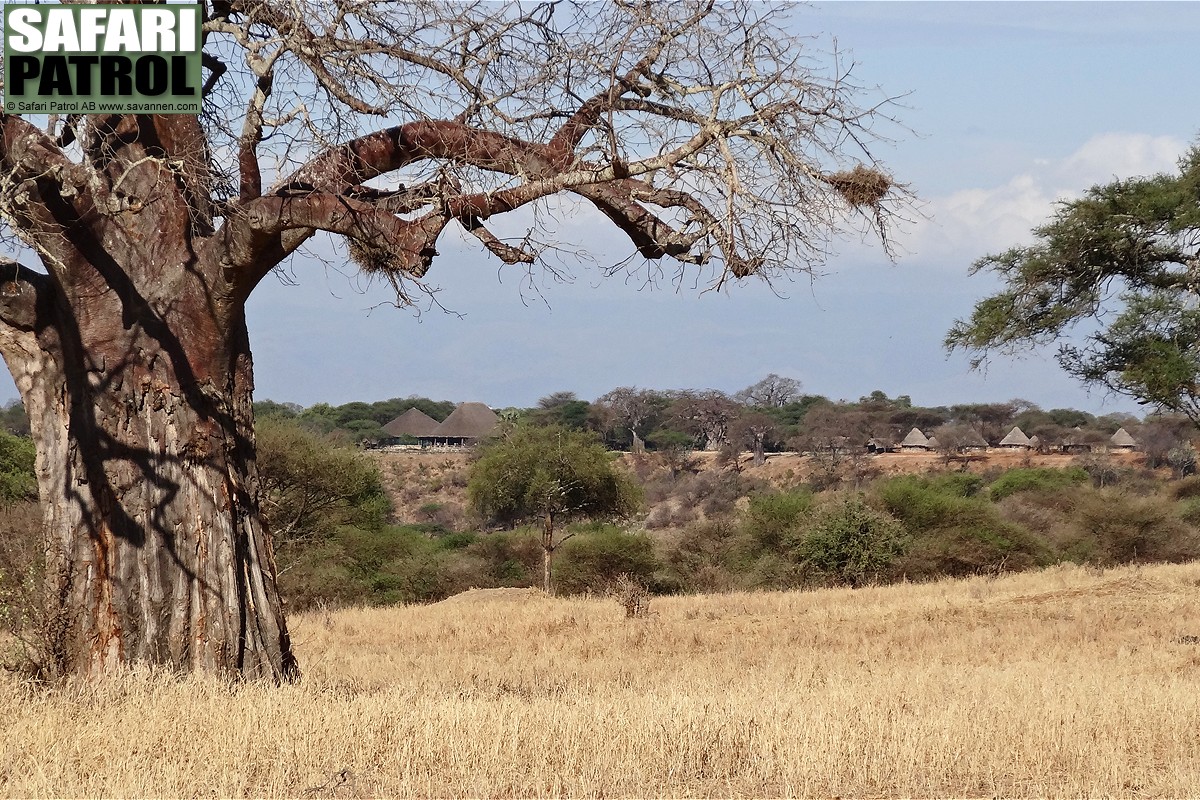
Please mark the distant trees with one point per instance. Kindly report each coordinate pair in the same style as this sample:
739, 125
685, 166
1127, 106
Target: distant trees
751, 430
706, 415
353, 422
549, 475
562, 408
772, 391
631, 408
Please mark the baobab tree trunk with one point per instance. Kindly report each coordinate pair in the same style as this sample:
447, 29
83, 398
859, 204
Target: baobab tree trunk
156, 552
132, 358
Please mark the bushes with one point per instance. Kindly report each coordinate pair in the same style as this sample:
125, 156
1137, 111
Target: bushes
953, 534
1124, 528
407, 564
592, 560
772, 518
908, 527
850, 543
1040, 479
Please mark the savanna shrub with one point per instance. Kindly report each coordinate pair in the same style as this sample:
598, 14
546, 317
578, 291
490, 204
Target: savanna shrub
508, 558
1128, 528
591, 560
850, 543
1186, 488
922, 505
698, 560
1189, 511
959, 484
774, 517
953, 534
1036, 478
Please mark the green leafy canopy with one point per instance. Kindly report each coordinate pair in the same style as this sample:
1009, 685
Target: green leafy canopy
1127, 256
534, 472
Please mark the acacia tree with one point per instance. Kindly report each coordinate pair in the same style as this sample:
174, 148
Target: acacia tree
705, 133
1126, 255
548, 475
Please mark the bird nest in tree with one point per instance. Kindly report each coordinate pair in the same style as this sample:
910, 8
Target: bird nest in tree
371, 258
861, 187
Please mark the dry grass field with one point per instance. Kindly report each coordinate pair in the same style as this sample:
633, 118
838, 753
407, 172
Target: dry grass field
1068, 682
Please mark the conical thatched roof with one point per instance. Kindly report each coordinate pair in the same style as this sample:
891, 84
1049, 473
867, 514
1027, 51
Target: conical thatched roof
468, 421
413, 422
915, 439
1122, 439
1016, 438
933, 443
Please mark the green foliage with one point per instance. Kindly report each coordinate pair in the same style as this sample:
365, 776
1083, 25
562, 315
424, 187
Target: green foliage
14, 419
269, 409
953, 534
1189, 511
18, 481
922, 505
311, 486
457, 540
851, 543
592, 560
1127, 528
958, 484
1036, 479
534, 472
1133, 240
772, 518
506, 559
406, 564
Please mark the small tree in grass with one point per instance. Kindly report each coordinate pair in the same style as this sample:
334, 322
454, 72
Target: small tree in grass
549, 475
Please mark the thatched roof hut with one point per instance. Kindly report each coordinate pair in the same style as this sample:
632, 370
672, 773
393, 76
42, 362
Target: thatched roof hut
915, 441
468, 422
1016, 438
1122, 440
414, 422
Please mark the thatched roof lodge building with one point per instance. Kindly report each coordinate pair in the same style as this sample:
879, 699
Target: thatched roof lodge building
1122, 441
1016, 439
414, 422
915, 441
465, 426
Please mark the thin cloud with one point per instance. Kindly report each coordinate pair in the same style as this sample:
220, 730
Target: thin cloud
969, 223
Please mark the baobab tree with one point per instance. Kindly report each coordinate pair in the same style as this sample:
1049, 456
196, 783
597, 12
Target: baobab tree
773, 391
707, 134
630, 407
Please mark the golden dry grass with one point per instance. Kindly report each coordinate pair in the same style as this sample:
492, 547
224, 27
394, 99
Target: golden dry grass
1067, 682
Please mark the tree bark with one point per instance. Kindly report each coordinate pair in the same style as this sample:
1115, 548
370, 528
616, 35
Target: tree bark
547, 551
132, 358
156, 552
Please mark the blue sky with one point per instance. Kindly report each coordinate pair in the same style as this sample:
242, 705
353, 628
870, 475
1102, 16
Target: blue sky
1010, 106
